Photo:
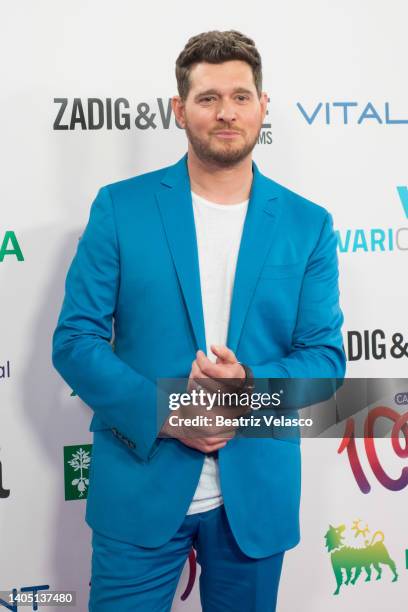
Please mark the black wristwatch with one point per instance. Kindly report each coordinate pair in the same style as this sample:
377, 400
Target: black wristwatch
248, 384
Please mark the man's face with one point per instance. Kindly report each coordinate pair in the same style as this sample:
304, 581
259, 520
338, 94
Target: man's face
223, 113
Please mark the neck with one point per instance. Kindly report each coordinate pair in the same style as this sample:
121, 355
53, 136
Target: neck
223, 185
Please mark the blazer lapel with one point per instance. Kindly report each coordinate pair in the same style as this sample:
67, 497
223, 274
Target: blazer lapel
176, 210
257, 238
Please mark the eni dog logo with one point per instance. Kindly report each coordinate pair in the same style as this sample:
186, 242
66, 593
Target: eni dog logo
348, 562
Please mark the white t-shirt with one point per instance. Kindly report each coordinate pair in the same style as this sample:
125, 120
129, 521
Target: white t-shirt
219, 230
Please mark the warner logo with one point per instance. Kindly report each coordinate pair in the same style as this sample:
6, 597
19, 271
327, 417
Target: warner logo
376, 239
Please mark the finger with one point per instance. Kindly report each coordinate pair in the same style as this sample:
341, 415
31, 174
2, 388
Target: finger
196, 371
202, 365
192, 384
211, 385
224, 353
208, 368
203, 445
219, 384
219, 436
209, 448
211, 440
202, 361
221, 369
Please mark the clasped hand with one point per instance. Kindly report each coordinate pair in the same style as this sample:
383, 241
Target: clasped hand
209, 376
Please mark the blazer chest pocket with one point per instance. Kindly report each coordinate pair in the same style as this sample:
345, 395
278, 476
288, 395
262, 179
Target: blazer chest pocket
282, 270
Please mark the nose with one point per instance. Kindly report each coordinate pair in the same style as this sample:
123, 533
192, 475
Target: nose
226, 112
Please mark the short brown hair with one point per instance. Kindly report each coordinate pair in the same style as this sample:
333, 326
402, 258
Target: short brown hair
216, 47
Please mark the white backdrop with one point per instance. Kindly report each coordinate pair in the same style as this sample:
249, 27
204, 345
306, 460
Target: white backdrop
350, 157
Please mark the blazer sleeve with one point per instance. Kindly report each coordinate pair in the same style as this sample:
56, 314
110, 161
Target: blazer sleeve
317, 345
122, 398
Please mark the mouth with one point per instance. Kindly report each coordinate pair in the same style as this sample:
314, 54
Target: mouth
226, 134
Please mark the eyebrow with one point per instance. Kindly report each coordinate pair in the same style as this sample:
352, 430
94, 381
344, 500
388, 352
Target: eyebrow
208, 92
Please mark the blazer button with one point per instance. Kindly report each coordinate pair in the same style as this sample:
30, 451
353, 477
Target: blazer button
131, 444
114, 431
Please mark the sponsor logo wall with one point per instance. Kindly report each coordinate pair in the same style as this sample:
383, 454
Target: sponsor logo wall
97, 114
86, 102
377, 239
342, 112
4, 493
375, 344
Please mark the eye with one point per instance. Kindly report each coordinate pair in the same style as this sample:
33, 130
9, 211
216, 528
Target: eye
242, 98
207, 99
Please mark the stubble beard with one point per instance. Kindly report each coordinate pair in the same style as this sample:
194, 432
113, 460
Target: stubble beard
223, 157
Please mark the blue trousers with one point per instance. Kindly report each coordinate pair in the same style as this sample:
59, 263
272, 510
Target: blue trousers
129, 578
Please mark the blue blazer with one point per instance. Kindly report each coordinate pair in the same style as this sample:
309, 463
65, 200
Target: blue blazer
136, 269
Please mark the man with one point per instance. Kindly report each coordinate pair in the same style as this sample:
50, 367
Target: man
208, 269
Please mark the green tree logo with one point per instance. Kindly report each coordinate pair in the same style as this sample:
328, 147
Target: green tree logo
77, 460
349, 561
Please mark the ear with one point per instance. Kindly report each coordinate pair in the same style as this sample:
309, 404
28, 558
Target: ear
264, 104
177, 105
